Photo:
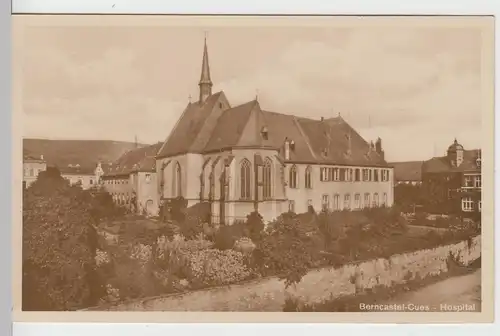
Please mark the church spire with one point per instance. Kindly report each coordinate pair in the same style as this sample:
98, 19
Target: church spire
205, 80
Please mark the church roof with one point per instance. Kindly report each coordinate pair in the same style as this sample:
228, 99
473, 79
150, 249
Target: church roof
311, 137
442, 164
193, 130
140, 159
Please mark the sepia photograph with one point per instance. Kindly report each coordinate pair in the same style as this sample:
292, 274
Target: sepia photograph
254, 164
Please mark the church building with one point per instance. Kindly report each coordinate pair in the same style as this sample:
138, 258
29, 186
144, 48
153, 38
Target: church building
245, 158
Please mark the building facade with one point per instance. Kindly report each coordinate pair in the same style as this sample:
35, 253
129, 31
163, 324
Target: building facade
131, 180
86, 177
32, 166
452, 183
245, 158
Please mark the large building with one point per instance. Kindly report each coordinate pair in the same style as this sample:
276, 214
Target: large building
245, 158
131, 180
452, 183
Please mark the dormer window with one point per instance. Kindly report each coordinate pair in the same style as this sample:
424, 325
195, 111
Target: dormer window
264, 132
292, 145
478, 162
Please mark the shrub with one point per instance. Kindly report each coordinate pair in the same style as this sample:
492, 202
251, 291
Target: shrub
227, 235
214, 267
287, 251
59, 246
254, 225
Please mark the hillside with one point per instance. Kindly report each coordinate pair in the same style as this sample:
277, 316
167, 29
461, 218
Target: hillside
83, 152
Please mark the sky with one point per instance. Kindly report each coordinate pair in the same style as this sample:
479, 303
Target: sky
417, 87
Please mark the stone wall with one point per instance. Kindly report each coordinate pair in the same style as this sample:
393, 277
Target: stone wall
268, 294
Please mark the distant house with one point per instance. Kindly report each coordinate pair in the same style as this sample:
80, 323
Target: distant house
409, 172
32, 166
85, 176
131, 180
452, 183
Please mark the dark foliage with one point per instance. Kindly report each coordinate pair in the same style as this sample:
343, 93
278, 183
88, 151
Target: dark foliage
59, 243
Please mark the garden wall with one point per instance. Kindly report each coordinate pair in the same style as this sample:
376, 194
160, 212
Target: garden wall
268, 294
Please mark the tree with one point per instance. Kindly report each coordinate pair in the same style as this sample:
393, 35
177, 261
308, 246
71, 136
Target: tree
59, 243
254, 226
288, 250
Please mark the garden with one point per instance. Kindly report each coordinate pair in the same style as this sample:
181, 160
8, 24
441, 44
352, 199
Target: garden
80, 250
189, 254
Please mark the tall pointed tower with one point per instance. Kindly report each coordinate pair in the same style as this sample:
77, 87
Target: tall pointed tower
205, 80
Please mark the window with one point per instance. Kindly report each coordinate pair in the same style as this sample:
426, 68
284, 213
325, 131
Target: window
336, 202
336, 174
293, 177
367, 200
375, 175
309, 202
347, 201
322, 174
375, 200
245, 179
291, 206
31, 172
468, 181
357, 201
385, 175
477, 181
370, 175
366, 176
91, 181
325, 203
308, 178
357, 175
479, 205
266, 179
384, 199
177, 180
79, 181
467, 204
148, 178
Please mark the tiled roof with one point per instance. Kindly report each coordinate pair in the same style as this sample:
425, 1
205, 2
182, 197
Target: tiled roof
84, 170
141, 159
442, 164
407, 171
241, 126
194, 128
28, 155
208, 129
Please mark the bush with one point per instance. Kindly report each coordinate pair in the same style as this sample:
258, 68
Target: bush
59, 246
214, 267
254, 226
288, 251
227, 235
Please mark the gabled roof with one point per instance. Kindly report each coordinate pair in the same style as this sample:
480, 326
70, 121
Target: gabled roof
407, 171
194, 127
241, 126
82, 170
442, 164
141, 159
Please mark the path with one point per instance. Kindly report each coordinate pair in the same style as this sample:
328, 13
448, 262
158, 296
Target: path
461, 292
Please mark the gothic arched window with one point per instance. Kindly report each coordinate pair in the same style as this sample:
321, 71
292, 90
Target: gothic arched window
177, 181
308, 177
292, 178
267, 179
245, 179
